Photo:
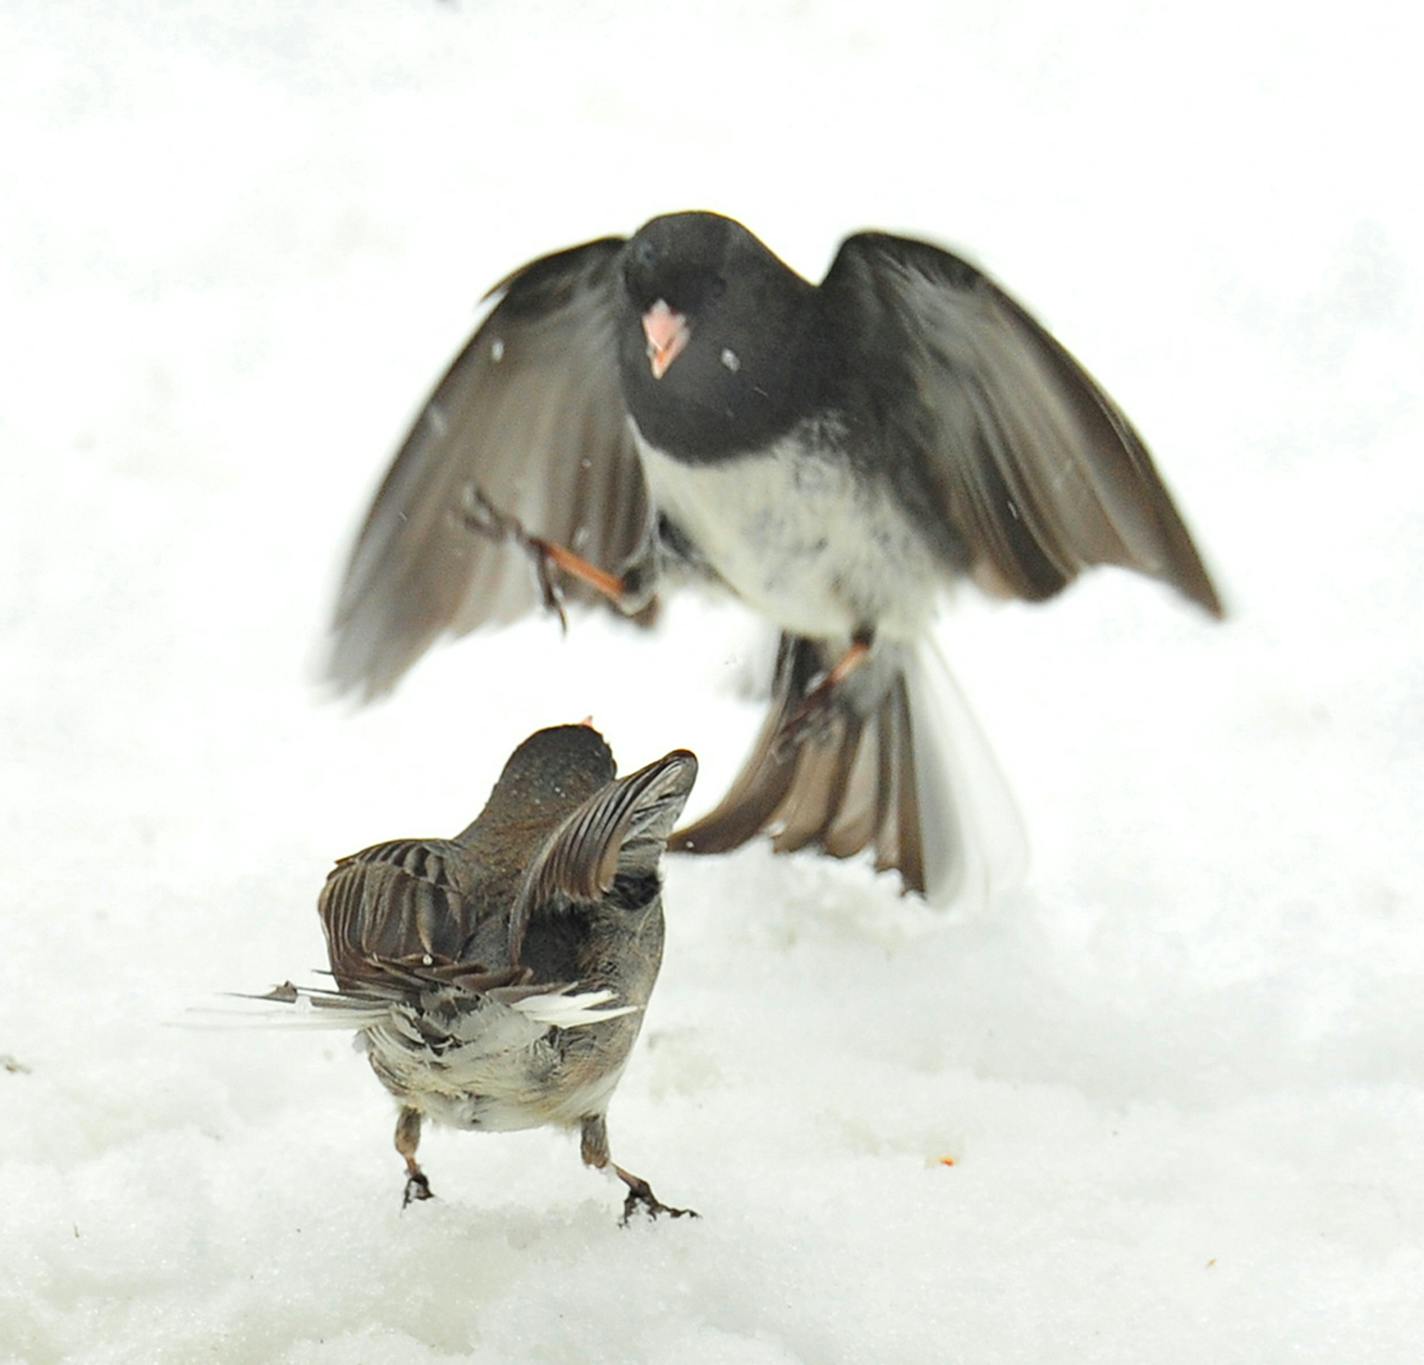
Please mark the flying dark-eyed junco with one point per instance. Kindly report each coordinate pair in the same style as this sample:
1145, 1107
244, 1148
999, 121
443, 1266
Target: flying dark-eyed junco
498, 978
835, 455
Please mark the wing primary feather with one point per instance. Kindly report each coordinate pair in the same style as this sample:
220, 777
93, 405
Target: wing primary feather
531, 412
1037, 470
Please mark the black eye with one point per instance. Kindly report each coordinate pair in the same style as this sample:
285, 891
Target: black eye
717, 288
645, 255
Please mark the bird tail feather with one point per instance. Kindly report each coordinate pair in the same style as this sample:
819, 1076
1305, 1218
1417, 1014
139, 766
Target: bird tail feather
298, 1007
895, 763
566, 1010
554, 1005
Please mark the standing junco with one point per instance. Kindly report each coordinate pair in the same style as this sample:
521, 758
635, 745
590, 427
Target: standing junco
835, 455
499, 978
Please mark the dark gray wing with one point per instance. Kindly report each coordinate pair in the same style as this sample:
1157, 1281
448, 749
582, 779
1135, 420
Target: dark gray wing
1034, 467
532, 412
621, 831
397, 914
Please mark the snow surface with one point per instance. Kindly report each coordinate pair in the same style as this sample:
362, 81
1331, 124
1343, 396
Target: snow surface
1179, 1074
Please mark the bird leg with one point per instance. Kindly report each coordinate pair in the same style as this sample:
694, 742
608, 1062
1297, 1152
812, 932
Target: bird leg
817, 700
594, 1149
483, 517
407, 1140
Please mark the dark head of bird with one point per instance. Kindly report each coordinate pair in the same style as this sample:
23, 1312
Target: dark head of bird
715, 338
547, 776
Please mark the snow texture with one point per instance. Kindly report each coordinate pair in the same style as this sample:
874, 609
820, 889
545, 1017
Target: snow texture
1179, 1074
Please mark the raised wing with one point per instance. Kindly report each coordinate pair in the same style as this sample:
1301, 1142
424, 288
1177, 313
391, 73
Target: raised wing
1032, 464
531, 412
619, 832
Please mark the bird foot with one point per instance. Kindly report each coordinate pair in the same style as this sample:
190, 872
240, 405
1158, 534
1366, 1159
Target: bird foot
416, 1187
483, 518
813, 715
641, 1196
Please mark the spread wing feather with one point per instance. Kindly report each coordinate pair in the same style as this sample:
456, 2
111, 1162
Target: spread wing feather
619, 831
1034, 467
531, 413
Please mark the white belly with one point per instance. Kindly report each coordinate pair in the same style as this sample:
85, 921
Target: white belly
799, 540
510, 1073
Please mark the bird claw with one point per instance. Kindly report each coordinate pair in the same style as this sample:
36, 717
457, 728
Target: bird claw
416, 1187
551, 595
484, 518
481, 516
641, 1196
812, 716
652, 1207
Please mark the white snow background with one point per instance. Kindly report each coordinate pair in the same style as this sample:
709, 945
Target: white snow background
1179, 1073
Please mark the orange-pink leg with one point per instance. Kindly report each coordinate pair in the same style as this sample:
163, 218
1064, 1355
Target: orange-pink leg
484, 518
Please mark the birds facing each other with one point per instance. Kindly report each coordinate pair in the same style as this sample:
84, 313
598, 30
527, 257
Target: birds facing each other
498, 979
836, 455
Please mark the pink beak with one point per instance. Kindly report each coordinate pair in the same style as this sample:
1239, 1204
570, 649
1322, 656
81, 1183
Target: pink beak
668, 335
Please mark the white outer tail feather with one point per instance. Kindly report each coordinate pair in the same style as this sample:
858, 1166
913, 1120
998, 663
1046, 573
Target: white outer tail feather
572, 1011
302, 1013
963, 792
328, 1010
